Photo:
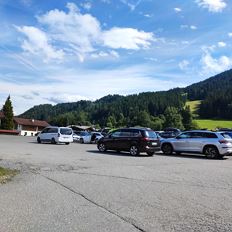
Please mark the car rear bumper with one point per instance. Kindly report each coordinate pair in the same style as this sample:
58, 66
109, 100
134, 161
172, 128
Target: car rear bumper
65, 140
151, 149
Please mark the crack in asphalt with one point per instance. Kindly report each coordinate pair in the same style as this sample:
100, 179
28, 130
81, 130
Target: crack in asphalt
93, 202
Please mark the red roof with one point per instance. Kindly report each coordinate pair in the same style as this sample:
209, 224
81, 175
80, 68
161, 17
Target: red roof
30, 122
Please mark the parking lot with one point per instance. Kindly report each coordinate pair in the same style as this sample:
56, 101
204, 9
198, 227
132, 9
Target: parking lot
76, 188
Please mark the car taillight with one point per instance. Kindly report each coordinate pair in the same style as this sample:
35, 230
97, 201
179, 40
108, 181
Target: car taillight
58, 134
145, 139
224, 141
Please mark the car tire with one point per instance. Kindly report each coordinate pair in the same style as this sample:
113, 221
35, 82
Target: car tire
150, 153
38, 140
81, 140
53, 141
101, 147
67, 143
167, 149
211, 152
134, 150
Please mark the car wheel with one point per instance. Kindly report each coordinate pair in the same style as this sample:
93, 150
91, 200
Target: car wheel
134, 150
167, 149
150, 153
101, 147
38, 140
53, 141
211, 152
67, 143
81, 140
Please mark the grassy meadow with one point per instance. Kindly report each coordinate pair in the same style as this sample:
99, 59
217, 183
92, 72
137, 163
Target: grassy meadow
210, 124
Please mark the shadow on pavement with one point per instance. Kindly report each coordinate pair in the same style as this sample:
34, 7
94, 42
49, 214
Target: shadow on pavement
115, 153
189, 156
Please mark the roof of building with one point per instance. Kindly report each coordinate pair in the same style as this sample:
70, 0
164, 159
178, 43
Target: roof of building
30, 122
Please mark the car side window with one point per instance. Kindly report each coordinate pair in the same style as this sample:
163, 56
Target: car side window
52, 130
210, 135
44, 131
184, 136
196, 135
115, 134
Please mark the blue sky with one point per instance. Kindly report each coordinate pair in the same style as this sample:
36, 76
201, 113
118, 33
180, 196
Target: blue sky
63, 51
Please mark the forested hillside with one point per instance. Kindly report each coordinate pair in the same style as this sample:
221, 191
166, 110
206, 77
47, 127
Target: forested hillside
216, 93
144, 109
152, 109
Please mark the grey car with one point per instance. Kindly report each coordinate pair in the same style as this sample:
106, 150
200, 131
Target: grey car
211, 144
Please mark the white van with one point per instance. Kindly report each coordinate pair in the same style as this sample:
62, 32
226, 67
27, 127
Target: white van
55, 135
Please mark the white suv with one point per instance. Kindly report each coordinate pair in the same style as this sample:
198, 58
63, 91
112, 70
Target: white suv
212, 144
55, 135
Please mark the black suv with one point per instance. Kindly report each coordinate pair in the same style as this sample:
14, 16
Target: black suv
134, 140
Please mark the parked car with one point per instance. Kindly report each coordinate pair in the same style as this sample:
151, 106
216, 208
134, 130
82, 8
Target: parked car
76, 136
134, 140
55, 135
85, 137
170, 133
105, 131
95, 136
211, 144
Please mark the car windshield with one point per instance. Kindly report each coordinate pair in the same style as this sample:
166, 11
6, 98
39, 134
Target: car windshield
150, 134
65, 131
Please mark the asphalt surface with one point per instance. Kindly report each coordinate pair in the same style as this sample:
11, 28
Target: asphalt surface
76, 188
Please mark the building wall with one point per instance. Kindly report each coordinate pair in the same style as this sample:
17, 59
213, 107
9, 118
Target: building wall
28, 130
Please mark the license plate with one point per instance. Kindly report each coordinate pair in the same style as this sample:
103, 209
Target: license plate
154, 144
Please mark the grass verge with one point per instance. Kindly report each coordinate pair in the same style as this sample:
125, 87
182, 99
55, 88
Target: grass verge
6, 174
213, 124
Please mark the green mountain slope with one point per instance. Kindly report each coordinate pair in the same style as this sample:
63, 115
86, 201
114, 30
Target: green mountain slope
215, 94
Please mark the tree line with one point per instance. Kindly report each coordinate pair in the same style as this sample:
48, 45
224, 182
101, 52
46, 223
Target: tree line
151, 109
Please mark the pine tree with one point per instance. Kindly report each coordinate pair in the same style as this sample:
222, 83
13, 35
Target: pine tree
7, 122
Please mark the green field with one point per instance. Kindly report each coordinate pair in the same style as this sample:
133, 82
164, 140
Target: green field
194, 106
206, 123
213, 124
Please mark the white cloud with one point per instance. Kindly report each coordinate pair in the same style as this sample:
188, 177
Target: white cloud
212, 5
79, 34
76, 84
184, 64
193, 27
221, 44
105, 54
211, 65
230, 34
177, 9
148, 15
65, 97
37, 42
131, 4
87, 5
127, 38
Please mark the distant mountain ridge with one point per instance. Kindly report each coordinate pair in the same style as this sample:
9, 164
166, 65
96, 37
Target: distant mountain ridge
154, 103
